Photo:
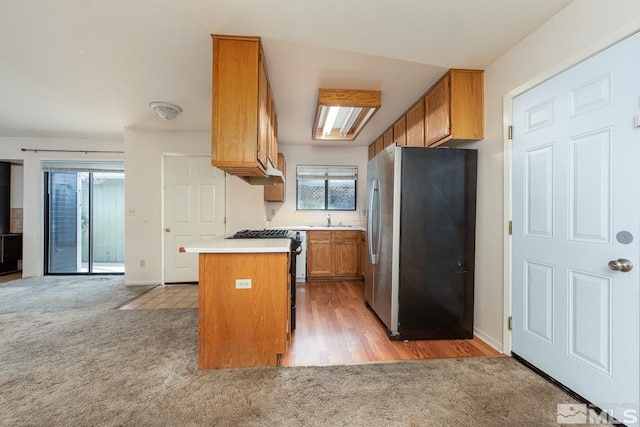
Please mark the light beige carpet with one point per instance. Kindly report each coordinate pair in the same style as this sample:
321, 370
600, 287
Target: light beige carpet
68, 357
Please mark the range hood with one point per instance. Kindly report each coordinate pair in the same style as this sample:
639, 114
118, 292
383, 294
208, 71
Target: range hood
272, 177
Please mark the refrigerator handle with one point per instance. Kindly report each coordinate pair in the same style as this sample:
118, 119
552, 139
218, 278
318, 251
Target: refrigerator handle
379, 218
372, 191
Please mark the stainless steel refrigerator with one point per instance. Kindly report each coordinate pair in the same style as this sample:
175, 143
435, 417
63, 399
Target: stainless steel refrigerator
421, 206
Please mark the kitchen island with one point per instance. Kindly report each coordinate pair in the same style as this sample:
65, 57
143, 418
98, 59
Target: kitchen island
244, 301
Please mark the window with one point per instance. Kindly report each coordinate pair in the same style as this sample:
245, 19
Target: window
331, 188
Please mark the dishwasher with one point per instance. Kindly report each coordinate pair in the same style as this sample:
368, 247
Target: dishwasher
301, 259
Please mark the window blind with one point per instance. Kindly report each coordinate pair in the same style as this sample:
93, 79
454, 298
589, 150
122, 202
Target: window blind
327, 172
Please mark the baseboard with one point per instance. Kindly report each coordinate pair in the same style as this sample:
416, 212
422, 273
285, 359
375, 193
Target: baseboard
145, 283
487, 339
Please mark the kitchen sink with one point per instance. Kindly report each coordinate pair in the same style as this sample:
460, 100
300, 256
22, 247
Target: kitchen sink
332, 226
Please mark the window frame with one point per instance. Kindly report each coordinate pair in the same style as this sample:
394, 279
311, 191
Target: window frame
326, 180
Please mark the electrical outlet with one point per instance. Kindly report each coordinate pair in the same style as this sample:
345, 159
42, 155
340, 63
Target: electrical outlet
243, 283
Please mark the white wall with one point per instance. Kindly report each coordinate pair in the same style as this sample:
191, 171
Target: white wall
33, 188
143, 195
285, 214
578, 31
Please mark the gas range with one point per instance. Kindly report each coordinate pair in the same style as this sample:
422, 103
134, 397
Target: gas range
262, 234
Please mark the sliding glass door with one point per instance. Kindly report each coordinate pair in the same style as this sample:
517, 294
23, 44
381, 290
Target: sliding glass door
84, 213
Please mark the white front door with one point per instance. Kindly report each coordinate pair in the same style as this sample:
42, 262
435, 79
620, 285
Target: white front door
194, 210
576, 176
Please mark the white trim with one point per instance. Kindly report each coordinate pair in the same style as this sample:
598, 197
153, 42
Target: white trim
141, 283
488, 340
507, 102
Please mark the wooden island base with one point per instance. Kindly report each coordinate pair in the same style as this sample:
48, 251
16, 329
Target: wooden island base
239, 325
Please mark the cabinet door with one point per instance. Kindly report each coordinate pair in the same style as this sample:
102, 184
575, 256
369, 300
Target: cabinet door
387, 138
415, 125
346, 253
235, 107
319, 253
346, 258
437, 110
400, 131
372, 151
265, 113
378, 145
272, 128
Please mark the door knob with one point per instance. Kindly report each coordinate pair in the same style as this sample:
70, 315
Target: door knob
168, 229
621, 264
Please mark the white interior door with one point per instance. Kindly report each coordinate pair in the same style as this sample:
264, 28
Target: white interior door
194, 210
576, 207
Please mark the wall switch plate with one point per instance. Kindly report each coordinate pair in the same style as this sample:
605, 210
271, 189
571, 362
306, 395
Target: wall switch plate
243, 283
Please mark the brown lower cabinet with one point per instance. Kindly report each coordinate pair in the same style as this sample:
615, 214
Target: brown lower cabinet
333, 254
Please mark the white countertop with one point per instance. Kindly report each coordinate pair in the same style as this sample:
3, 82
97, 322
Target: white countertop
222, 245
321, 227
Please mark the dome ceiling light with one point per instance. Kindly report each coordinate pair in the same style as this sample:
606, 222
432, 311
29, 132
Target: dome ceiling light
165, 111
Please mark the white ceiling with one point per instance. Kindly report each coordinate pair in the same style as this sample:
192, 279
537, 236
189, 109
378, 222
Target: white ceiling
89, 68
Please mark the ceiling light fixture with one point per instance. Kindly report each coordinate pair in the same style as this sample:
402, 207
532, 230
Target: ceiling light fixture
332, 115
165, 111
342, 113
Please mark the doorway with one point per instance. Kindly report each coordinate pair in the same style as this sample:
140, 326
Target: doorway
84, 220
193, 210
576, 233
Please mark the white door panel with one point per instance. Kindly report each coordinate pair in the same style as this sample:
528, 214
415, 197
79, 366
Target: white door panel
575, 188
194, 209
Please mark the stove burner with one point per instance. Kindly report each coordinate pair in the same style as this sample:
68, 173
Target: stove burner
262, 234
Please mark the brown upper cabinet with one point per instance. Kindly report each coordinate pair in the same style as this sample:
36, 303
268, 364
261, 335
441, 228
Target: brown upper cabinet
415, 124
387, 138
376, 147
400, 131
454, 108
372, 150
243, 116
277, 193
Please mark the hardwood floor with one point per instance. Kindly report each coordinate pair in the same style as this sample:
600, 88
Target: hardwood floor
4, 278
333, 326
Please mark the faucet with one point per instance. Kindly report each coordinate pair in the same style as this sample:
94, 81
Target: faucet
328, 220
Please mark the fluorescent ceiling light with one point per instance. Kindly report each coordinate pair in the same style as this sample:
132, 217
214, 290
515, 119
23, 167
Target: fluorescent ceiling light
342, 113
330, 121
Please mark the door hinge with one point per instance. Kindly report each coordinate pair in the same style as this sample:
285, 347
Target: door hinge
510, 322
510, 132
510, 228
